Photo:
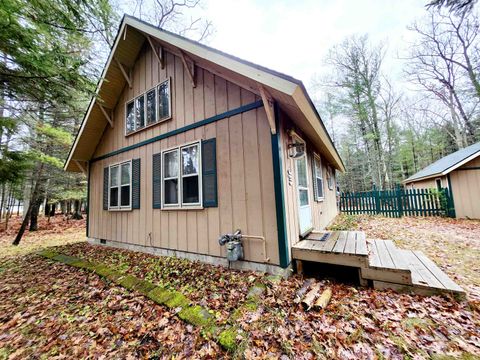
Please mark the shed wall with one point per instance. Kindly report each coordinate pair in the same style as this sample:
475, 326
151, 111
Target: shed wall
244, 167
466, 189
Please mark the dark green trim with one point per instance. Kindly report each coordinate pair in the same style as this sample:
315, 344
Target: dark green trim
88, 199
452, 211
470, 168
279, 195
183, 129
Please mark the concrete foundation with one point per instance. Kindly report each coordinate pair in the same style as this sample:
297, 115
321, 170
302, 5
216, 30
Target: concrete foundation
214, 260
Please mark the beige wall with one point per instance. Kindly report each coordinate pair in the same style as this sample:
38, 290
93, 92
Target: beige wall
427, 183
323, 212
466, 190
244, 167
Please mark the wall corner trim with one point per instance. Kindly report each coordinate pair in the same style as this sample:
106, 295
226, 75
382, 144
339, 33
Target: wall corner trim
279, 193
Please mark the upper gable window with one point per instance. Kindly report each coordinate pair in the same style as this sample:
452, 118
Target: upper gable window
149, 108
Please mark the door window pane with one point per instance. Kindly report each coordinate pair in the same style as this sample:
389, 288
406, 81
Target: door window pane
171, 191
302, 171
140, 112
130, 119
190, 190
151, 113
163, 100
190, 160
303, 194
126, 174
170, 164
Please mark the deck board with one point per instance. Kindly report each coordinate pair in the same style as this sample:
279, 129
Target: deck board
384, 255
350, 245
331, 241
448, 283
426, 278
373, 257
397, 258
361, 246
341, 242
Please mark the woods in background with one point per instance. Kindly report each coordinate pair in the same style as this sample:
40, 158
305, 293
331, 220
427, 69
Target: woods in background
389, 135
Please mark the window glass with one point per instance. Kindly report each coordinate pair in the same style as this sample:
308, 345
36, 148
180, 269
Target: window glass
151, 113
318, 178
302, 172
164, 100
139, 112
114, 196
130, 121
303, 197
125, 196
170, 164
114, 176
190, 160
171, 191
126, 174
190, 190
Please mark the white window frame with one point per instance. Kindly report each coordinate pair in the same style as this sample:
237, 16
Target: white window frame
330, 182
157, 112
119, 207
180, 203
318, 176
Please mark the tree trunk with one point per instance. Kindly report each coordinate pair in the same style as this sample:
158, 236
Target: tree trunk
52, 209
34, 216
33, 200
77, 215
47, 208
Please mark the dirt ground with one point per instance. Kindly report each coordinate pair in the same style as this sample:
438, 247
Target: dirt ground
51, 310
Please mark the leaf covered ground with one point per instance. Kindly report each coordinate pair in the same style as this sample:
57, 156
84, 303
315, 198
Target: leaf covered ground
52, 310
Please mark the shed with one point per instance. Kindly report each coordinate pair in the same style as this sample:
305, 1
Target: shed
460, 173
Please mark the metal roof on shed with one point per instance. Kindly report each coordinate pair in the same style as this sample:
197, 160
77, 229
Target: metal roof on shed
448, 163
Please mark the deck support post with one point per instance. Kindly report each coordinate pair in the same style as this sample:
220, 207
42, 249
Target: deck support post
299, 264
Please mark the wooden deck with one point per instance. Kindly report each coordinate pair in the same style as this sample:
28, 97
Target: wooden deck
377, 260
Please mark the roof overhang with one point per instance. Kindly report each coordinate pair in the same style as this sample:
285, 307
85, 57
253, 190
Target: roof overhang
288, 92
446, 171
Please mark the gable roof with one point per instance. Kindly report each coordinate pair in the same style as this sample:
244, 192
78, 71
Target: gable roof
289, 92
447, 164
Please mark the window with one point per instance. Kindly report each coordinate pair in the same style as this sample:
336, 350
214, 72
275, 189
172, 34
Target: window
120, 186
439, 183
181, 176
318, 178
149, 108
330, 177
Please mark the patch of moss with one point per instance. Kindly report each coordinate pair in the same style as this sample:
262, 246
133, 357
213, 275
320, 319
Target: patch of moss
4, 353
177, 300
160, 295
128, 282
274, 279
144, 287
249, 306
49, 254
106, 272
256, 290
195, 315
228, 338
65, 259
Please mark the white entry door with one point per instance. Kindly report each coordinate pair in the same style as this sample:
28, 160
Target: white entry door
304, 207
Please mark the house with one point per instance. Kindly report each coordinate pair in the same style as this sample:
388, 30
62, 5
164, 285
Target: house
184, 143
460, 173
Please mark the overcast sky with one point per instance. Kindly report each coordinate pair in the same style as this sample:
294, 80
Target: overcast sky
293, 36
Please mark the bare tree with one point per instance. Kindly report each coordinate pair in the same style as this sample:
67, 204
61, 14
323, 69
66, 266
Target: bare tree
440, 61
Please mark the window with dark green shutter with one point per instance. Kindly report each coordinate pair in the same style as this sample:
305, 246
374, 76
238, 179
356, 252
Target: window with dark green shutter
121, 186
209, 173
157, 180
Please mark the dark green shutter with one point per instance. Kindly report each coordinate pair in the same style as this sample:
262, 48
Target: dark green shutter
105, 188
157, 180
209, 172
136, 184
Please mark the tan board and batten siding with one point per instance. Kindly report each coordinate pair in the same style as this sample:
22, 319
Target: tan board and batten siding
466, 190
246, 197
323, 212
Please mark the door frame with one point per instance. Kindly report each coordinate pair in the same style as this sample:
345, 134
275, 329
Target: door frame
304, 157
